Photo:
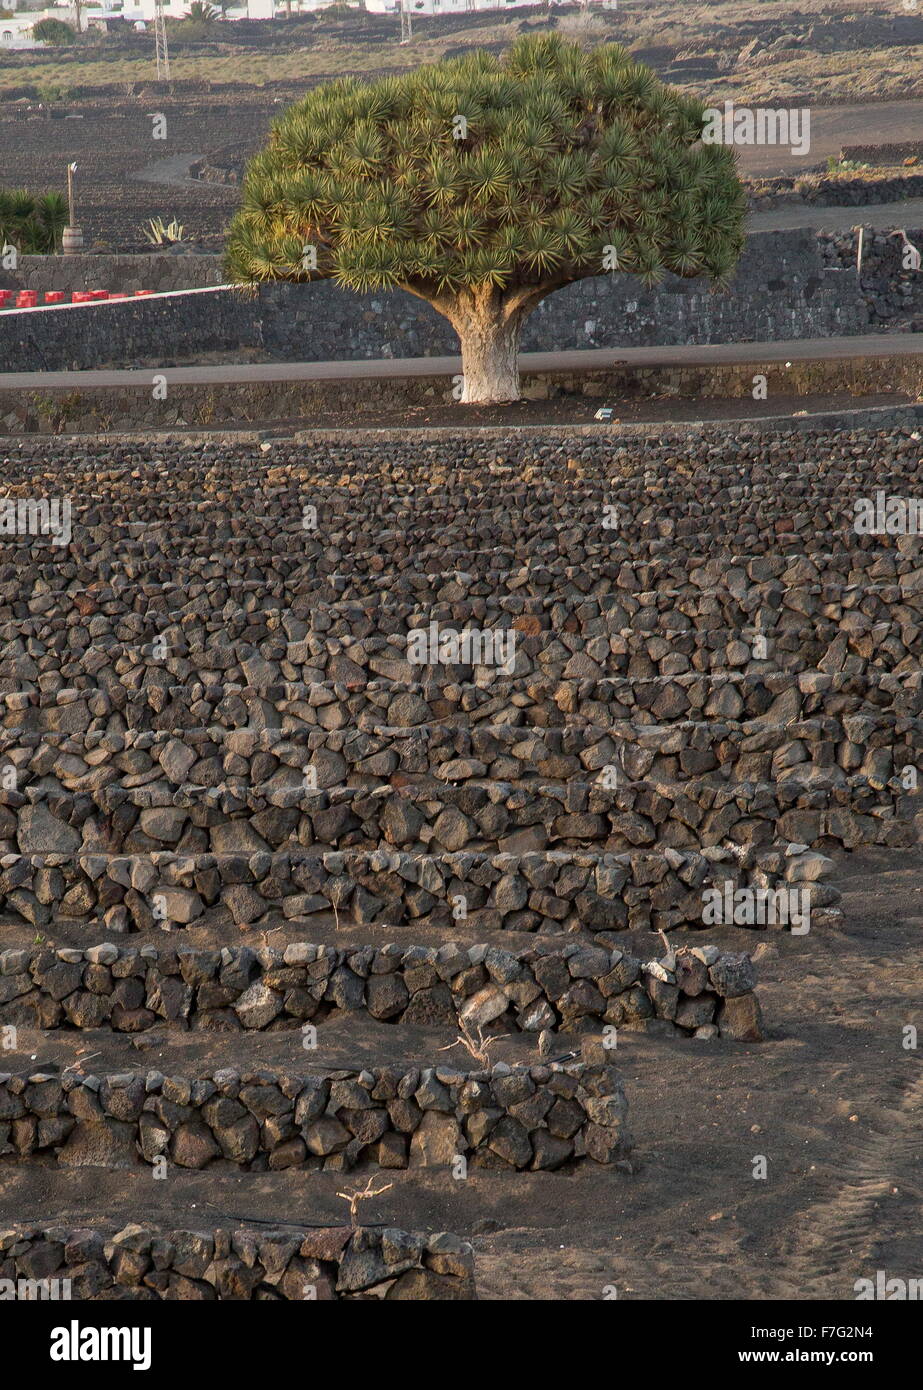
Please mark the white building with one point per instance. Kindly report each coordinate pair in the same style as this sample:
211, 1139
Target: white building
13, 40
442, 6
419, 6
178, 9
16, 32
15, 29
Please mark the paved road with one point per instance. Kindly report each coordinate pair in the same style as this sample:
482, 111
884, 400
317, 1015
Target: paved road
798, 350
908, 213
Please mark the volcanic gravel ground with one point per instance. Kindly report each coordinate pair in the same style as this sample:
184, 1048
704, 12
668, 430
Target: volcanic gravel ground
832, 1099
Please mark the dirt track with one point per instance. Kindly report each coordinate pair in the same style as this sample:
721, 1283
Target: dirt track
885, 122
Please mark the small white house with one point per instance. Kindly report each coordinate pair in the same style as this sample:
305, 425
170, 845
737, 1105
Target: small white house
173, 9
16, 32
424, 7
13, 41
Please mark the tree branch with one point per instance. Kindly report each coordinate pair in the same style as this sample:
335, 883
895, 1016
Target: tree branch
524, 298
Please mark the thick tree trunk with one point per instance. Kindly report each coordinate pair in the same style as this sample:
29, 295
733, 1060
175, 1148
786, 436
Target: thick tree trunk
488, 322
489, 336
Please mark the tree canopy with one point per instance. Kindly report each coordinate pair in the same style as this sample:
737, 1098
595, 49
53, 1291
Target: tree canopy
54, 31
490, 179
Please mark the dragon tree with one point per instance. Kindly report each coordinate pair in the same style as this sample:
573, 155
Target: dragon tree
483, 184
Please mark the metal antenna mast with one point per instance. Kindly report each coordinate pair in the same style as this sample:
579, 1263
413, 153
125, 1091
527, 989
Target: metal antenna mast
160, 43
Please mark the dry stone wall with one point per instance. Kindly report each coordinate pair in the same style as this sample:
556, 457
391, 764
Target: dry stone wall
236, 1264
157, 272
571, 988
545, 891
841, 190
538, 1117
794, 669
249, 801
271, 764
487, 815
885, 154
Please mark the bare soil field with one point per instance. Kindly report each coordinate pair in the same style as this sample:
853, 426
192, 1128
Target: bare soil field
578, 410
831, 52
832, 1099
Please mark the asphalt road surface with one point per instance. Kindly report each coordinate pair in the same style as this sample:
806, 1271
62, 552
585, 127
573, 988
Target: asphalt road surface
907, 213
713, 354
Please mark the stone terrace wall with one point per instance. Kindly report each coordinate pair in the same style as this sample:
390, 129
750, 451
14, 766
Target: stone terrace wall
431, 754
256, 1262
533, 841
891, 294
836, 191
567, 891
749, 532
519, 1117
781, 290
484, 815
119, 274
571, 988
882, 155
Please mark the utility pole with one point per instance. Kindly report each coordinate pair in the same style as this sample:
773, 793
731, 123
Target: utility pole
406, 23
160, 43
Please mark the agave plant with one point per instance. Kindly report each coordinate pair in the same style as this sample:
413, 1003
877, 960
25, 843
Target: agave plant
483, 184
160, 233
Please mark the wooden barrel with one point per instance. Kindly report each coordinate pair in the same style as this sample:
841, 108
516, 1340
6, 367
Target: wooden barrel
71, 240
